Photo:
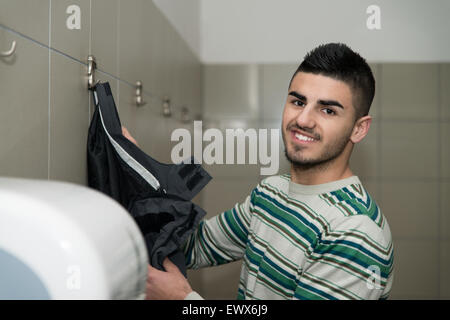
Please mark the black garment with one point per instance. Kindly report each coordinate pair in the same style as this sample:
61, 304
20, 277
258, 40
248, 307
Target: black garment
157, 195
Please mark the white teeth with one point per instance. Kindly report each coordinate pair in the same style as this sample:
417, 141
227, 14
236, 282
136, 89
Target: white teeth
303, 138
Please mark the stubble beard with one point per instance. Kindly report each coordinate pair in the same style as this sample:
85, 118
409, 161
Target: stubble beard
330, 152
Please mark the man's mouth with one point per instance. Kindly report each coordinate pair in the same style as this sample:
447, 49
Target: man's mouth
302, 138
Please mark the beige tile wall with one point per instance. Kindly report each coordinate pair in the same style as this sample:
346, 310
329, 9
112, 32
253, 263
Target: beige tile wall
44, 84
409, 91
45, 105
24, 120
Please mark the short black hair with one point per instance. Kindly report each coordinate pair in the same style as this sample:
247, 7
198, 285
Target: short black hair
338, 61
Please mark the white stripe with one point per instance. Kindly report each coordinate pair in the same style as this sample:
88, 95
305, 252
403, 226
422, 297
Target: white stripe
136, 166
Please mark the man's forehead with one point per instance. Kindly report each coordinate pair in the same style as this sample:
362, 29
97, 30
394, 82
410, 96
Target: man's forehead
318, 86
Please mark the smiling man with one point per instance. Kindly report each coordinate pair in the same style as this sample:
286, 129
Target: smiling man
315, 233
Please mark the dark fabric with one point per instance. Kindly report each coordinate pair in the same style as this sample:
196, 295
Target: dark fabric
117, 167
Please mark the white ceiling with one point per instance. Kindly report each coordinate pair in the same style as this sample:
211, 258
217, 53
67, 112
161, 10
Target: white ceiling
282, 31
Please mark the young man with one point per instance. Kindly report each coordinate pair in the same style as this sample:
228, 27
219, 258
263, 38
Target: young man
314, 233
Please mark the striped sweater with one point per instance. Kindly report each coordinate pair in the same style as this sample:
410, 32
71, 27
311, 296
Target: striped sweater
327, 241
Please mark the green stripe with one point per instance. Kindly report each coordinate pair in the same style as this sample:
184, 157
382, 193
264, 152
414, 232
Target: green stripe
243, 214
278, 213
308, 295
275, 193
335, 265
326, 226
228, 234
348, 210
216, 257
286, 262
331, 286
275, 289
340, 249
315, 217
275, 226
234, 227
348, 268
201, 241
325, 199
291, 239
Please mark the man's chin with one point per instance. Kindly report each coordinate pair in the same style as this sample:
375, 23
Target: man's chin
298, 160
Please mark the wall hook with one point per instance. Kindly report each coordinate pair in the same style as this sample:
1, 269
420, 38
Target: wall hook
166, 107
185, 114
139, 99
10, 52
92, 65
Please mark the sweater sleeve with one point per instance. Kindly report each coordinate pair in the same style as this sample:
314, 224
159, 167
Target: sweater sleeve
220, 239
193, 295
353, 260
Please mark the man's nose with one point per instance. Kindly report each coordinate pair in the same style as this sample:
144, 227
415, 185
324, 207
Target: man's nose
305, 117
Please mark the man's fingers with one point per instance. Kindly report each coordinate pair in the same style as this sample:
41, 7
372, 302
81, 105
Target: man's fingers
127, 135
169, 266
125, 132
151, 270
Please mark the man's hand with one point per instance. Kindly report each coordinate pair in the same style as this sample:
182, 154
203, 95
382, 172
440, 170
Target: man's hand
167, 285
127, 135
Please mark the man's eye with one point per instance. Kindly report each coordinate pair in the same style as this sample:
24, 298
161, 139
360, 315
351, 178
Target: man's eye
298, 103
329, 111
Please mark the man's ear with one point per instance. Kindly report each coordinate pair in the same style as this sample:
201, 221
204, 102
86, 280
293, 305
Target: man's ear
361, 129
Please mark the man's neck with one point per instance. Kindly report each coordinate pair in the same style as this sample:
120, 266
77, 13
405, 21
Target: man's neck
319, 175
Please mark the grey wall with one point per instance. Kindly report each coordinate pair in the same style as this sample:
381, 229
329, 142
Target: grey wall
45, 106
404, 162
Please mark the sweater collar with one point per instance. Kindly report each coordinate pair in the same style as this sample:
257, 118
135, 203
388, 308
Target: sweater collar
296, 188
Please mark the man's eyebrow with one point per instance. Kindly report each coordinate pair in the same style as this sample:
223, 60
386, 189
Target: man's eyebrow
298, 95
330, 103
322, 102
